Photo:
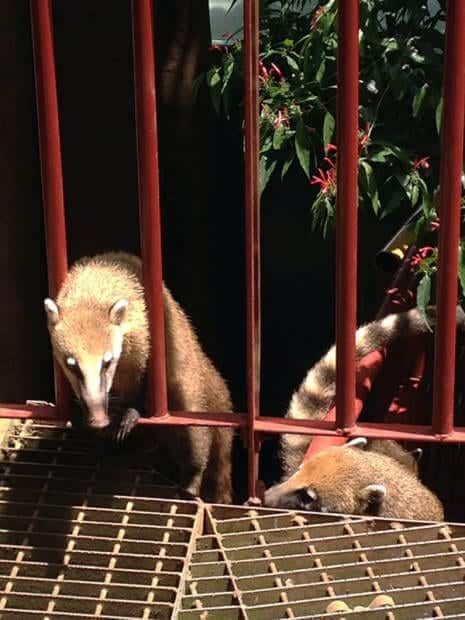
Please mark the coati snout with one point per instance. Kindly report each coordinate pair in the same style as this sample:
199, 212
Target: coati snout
348, 479
87, 343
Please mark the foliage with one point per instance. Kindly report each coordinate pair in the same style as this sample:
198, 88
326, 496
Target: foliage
401, 56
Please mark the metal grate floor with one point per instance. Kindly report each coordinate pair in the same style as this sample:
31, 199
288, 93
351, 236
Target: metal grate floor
86, 534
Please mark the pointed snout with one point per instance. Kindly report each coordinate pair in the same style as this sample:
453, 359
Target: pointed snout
274, 496
98, 419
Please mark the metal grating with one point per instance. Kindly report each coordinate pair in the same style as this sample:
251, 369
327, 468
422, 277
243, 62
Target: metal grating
261, 564
89, 534
84, 535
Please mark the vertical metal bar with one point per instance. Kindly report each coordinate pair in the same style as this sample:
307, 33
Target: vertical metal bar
50, 163
252, 207
149, 197
346, 212
449, 212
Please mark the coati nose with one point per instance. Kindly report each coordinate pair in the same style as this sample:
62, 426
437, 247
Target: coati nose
99, 419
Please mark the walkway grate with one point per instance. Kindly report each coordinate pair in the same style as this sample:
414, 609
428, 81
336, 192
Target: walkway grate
87, 534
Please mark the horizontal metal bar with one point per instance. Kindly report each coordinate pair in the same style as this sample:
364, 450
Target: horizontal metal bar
264, 424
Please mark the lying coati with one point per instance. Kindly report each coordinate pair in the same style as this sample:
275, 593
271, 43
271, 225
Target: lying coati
348, 479
100, 337
316, 394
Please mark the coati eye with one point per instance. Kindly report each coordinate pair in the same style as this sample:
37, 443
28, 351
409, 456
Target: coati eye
107, 360
307, 497
72, 365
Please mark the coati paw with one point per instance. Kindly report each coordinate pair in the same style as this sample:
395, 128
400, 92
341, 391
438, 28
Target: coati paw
254, 502
128, 421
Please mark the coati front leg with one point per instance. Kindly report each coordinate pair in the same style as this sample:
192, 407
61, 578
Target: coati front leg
126, 423
125, 415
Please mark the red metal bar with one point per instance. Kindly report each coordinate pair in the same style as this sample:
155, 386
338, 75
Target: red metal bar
252, 206
149, 197
449, 212
264, 425
346, 212
50, 163
367, 371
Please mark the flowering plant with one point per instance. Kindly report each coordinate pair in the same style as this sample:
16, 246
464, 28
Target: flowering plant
401, 56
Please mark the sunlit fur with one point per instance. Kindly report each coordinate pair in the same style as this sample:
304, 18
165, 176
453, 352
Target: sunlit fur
351, 480
85, 332
317, 392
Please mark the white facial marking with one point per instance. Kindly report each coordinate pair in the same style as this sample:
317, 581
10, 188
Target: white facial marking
312, 494
120, 304
107, 358
378, 489
389, 321
358, 442
52, 310
71, 362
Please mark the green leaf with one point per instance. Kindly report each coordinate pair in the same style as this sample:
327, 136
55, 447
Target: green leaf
228, 68
287, 164
423, 297
380, 156
292, 63
462, 268
368, 182
196, 84
267, 167
414, 195
438, 115
418, 99
320, 71
278, 137
214, 82
302, 146
328, 128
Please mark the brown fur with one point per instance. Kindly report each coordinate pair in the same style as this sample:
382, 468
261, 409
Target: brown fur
316, 394
341, 480
202, 456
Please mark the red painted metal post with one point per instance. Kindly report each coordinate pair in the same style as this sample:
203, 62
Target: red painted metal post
252, 206
449, 213
346, 212
50, 162
149, 197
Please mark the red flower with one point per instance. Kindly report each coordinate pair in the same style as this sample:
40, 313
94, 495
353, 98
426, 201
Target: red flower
263, 74
281, 119
330, 147
316, 16
275, 70
421, 163
419, 256
435, 225
326, 180
364, 137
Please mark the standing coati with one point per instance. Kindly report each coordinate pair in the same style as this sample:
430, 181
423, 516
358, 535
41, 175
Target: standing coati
100, 337
347, 479
317, 392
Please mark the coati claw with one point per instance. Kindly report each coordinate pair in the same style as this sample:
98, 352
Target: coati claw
128, 421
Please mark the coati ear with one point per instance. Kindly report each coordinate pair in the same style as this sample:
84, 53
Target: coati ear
358, 442
417, 454
373, 495
51, 309
118, 310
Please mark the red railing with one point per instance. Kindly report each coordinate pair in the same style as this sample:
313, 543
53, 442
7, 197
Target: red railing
342, 421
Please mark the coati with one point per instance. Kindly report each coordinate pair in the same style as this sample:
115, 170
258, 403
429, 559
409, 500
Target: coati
100, 337
348, 479
316, 394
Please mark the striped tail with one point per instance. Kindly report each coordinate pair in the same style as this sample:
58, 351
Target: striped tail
316, 394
